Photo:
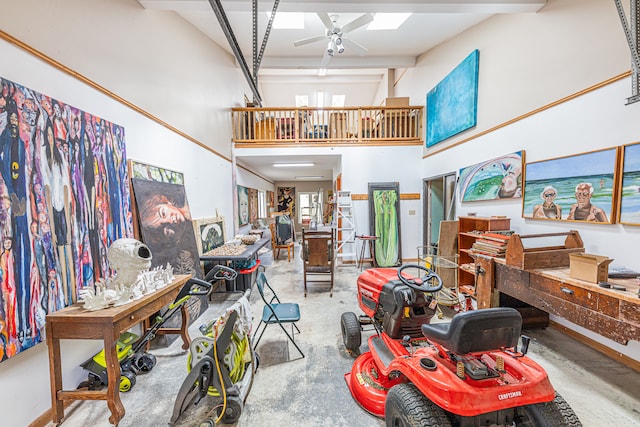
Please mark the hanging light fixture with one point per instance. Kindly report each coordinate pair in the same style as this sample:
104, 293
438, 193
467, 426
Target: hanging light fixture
330, 48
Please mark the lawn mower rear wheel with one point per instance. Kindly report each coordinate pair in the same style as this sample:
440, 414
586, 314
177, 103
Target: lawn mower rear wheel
406, 406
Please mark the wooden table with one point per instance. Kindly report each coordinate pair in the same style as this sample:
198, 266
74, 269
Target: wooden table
607, 312
75, 322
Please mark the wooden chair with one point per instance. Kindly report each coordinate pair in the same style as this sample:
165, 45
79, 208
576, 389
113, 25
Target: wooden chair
278, 241
318, 256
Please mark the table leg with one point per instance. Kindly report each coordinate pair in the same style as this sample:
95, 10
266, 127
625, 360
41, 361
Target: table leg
184, 333
55, 374
113, 376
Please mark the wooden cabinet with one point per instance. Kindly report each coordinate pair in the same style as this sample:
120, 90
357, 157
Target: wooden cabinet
470, 228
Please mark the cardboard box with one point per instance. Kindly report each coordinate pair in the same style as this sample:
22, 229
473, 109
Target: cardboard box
397, 102
588, 267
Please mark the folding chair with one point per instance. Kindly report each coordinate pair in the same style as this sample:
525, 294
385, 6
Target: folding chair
276, 312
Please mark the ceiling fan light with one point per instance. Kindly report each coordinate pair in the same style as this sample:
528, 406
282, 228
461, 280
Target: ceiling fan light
340, 49
330, 49
338, 41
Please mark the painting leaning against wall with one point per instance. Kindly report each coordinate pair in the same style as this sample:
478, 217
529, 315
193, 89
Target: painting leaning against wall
65, 199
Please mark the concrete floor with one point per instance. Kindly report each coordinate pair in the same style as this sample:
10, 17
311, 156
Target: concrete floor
311, 391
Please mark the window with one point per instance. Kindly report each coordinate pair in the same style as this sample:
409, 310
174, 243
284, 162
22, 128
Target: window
310, 208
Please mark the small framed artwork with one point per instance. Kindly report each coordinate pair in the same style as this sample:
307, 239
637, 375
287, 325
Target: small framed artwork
630, 188
499, 178
209, 233
384, 220
581, 187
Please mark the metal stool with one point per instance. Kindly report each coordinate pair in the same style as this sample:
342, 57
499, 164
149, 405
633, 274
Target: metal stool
372, 257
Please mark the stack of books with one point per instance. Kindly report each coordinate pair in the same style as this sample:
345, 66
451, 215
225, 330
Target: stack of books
491, 244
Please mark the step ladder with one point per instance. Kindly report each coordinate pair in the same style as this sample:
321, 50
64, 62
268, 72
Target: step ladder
346, 243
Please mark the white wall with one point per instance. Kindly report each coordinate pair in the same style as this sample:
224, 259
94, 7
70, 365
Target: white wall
527, 62
109, 51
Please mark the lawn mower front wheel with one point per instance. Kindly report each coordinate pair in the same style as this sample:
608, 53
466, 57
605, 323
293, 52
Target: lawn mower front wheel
145, 362
406, 406
351, 331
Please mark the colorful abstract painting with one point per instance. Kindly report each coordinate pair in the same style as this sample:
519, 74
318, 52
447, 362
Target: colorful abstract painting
65, 191
384, 211
452, 104
630, 191
499, 178
581, 187
287, 200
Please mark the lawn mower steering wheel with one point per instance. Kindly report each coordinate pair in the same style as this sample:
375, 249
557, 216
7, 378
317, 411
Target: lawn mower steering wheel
421, 283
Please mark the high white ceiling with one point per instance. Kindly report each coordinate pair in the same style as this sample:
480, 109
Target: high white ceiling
432, 22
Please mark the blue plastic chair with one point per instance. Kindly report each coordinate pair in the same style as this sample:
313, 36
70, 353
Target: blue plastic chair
275, 311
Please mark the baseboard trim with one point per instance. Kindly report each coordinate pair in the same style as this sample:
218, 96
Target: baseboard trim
47, 416
607, 351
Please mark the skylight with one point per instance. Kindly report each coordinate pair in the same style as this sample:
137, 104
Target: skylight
288, 20
388, 21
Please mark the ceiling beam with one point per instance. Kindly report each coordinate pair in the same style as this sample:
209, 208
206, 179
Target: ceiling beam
357, 6
340, 62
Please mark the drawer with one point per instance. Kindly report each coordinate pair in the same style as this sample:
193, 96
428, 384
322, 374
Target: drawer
565, 291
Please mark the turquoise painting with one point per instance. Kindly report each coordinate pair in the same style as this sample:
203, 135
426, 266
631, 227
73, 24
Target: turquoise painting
452, 104
575, 188
499, 178
630, 193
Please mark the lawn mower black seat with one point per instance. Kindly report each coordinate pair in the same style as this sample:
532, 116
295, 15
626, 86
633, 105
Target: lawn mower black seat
477, 330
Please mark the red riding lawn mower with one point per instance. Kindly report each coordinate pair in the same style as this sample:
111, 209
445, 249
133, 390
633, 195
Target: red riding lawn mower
468, 372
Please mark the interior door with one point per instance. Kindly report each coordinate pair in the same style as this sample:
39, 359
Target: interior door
439, 204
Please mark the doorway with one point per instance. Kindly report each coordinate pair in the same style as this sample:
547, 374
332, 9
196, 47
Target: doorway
439, 205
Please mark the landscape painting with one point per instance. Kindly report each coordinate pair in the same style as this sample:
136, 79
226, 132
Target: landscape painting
581, 187
452, 104
630, 191
499, 178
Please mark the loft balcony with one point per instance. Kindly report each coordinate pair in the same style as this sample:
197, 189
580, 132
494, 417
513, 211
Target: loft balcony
270, 127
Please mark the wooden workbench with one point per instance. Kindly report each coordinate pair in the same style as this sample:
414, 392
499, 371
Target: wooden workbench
75, 322
607, 312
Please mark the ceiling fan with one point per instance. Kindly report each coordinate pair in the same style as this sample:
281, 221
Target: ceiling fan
336, 36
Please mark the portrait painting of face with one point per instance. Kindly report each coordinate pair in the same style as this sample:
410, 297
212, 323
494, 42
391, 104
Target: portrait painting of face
166, 226
243, 205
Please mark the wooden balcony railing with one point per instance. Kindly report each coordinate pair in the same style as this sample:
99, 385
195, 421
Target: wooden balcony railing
361, 125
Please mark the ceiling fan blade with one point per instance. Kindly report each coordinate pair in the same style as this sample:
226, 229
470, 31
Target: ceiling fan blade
326, 20
308, 40
357, 23
361, 50
325, 60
